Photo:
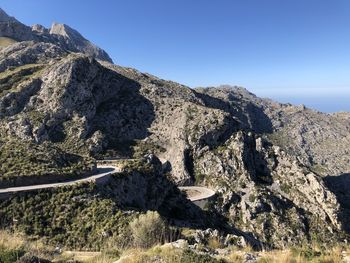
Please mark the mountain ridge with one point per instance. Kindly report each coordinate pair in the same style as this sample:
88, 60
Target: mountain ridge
4, 17
276, 168
58, 34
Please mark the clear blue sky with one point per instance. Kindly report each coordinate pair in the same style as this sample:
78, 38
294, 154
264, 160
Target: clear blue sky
291, 50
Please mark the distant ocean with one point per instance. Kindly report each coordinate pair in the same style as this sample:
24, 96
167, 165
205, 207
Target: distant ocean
325, 104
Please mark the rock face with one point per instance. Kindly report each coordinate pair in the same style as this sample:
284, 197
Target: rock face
273, 165
59, 34
263, 189
10, 27
74, 41
5, 17
319, 140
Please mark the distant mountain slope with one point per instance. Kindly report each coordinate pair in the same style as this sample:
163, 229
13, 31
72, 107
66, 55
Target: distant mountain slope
319, 140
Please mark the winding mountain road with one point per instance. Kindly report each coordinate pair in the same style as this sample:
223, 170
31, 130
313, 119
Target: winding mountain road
197, 193
103, 171
194, 193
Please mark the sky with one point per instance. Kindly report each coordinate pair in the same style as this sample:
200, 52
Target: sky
290, 50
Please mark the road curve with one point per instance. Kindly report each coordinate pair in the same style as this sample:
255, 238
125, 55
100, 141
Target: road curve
103, 171
197, 193
194, 193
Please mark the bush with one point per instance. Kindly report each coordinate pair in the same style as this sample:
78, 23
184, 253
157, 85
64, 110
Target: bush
148, 230
10, 256
79, 217
20, 160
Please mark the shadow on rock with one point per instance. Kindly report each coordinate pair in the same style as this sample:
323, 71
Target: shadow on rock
249, 115
340, 186
123, 114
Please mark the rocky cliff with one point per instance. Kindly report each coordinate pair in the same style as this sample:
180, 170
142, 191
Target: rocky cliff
275, 167
319, 140
59, 34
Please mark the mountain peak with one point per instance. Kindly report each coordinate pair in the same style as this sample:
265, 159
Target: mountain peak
65, 31
39, 28
72, 39
59, 34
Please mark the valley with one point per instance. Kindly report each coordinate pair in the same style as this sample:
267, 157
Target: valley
124, 165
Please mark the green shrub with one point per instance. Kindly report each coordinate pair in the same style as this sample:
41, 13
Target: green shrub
27, 159
10, 80
252, 198
78, 217
148, 230
286, 188
10, 256
142, 148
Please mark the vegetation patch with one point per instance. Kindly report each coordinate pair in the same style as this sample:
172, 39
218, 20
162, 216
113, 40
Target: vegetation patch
138, 165
10, 79
6, 41
78, 217
21, 159
141, 148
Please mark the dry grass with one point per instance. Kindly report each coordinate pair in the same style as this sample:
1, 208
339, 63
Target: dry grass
148, 230
235, 257
17, 242
283, 256
133, 256
301, 255
215, 243
86, 257
167, 253
308, 253
11, 241
6, 41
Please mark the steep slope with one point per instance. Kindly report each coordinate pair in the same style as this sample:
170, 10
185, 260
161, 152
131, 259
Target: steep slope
72, 40
83, 106
261, 157
12, 28
321, 141
5, 17
87, 216
59, 34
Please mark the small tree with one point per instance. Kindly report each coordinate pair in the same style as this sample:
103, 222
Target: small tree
148, 230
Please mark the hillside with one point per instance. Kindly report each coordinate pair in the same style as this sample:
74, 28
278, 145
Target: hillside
280, 171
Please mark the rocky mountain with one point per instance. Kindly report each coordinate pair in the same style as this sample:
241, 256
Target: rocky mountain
72, 40
279, 170
5, 17
12, 28
319, 140
59, 34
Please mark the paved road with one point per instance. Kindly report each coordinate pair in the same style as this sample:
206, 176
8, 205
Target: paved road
194, 193
103, 171
197, 193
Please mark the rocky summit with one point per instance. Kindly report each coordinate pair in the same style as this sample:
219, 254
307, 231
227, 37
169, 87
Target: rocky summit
280, 172
59, 34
